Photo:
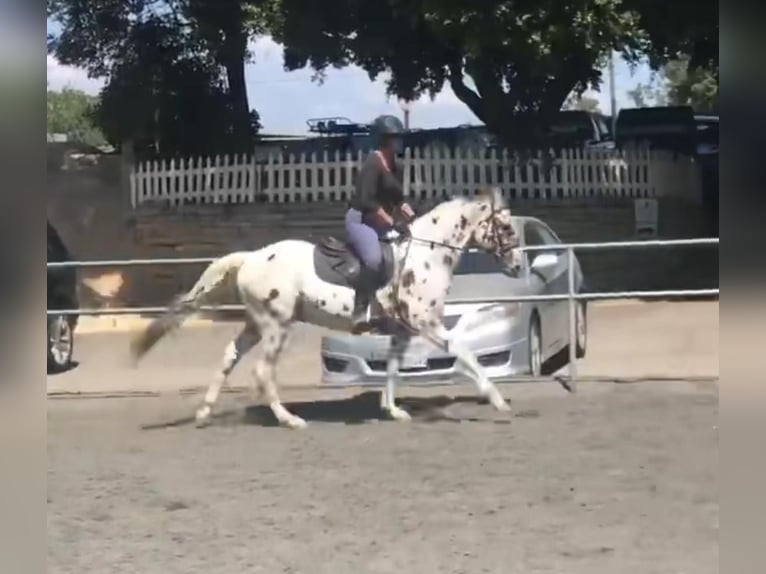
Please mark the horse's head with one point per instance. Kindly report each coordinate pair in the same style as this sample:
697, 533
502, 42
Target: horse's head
494, 230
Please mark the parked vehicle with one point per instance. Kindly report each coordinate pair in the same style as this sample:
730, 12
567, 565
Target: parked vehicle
62, 294
581, 129
671, 128
509, 339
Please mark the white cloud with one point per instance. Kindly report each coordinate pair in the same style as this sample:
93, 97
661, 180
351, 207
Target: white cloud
60, 76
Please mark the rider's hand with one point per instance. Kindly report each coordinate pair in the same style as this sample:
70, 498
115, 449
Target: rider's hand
384, 217
407, 211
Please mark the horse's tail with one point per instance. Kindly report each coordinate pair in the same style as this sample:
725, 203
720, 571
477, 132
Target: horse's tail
187, 304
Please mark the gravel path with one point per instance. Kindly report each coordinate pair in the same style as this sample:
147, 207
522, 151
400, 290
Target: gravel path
617, 479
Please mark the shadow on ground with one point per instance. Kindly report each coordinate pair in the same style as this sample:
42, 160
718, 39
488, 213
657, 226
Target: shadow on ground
359, 409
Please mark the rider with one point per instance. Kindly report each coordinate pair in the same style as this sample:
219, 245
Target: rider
378, 197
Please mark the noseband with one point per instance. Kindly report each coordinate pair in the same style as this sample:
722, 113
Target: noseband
502, 248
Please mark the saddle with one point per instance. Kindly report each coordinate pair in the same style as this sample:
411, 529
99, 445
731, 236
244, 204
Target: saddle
336, 262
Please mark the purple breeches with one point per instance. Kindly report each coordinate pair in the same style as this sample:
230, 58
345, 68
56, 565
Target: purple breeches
364, 239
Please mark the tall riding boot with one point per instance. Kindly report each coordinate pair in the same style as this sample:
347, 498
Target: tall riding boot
368, 283
359, 322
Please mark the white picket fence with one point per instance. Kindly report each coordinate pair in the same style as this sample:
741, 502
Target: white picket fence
429, 173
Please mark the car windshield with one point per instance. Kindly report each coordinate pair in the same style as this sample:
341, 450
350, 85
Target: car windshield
476, 262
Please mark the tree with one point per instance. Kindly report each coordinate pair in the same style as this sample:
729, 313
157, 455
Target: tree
654, 93
683, 29
169, 99
72, 112
225, 26
523, 57
109, 39
676, 83
682, 46
695, 87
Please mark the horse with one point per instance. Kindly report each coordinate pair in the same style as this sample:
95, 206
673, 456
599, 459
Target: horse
293, 280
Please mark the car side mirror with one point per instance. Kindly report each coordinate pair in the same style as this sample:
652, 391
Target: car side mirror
544, 261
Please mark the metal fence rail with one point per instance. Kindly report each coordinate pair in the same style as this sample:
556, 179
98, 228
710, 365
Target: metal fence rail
571, 296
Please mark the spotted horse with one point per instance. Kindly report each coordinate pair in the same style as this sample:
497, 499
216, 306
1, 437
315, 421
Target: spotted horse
294, 280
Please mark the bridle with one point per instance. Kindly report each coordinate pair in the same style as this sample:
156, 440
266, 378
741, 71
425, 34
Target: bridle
502, 247
500, 252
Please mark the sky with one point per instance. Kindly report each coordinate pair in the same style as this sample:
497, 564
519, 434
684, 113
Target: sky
285, 100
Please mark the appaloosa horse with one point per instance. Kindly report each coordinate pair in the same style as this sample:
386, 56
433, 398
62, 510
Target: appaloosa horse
295, 280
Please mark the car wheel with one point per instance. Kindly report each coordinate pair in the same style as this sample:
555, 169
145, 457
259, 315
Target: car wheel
535, 348
581, 329
60, 343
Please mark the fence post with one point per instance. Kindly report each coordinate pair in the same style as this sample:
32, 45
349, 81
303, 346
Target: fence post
572, 320
129, 180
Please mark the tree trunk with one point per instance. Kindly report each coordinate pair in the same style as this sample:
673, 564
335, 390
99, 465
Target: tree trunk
496, 108
235, 73
233, 59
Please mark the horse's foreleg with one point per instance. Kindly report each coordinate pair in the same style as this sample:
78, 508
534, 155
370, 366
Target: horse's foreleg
396, 351
470, 364
265, 375
234, 352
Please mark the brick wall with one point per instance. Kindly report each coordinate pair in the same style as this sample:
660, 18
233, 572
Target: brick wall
214, 230
89, 210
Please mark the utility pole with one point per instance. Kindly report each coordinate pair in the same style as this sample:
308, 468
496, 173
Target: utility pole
406, 107
612, 93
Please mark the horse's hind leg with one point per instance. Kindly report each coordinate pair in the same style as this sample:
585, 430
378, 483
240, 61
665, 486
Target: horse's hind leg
274, 337
234, 352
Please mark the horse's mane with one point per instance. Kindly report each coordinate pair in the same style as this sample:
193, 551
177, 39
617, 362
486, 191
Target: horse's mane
443, 206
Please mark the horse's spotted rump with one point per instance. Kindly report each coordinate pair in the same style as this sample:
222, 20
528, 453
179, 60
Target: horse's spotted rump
447, 260
273, 294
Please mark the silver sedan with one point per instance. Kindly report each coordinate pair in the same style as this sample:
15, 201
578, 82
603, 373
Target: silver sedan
509, 339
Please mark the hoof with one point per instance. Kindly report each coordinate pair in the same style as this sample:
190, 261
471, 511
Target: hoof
503, 406
296, 424
202, 418
499, 402
398, 414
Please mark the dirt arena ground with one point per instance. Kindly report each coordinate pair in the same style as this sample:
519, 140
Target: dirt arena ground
619, 478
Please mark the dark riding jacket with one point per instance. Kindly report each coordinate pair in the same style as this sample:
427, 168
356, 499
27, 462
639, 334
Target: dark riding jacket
377, 186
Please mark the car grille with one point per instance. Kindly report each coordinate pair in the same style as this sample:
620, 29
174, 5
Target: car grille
436, 364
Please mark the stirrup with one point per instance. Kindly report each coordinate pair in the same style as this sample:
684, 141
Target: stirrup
367, 326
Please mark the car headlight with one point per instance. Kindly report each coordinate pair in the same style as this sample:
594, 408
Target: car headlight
492, 312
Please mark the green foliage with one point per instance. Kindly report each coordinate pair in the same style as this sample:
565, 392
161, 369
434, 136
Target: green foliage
523, 57
174, 70
72, 112
695, 87
682, 29
653, 93
676, 83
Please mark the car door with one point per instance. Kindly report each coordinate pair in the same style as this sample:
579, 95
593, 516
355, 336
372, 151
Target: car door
551, 281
